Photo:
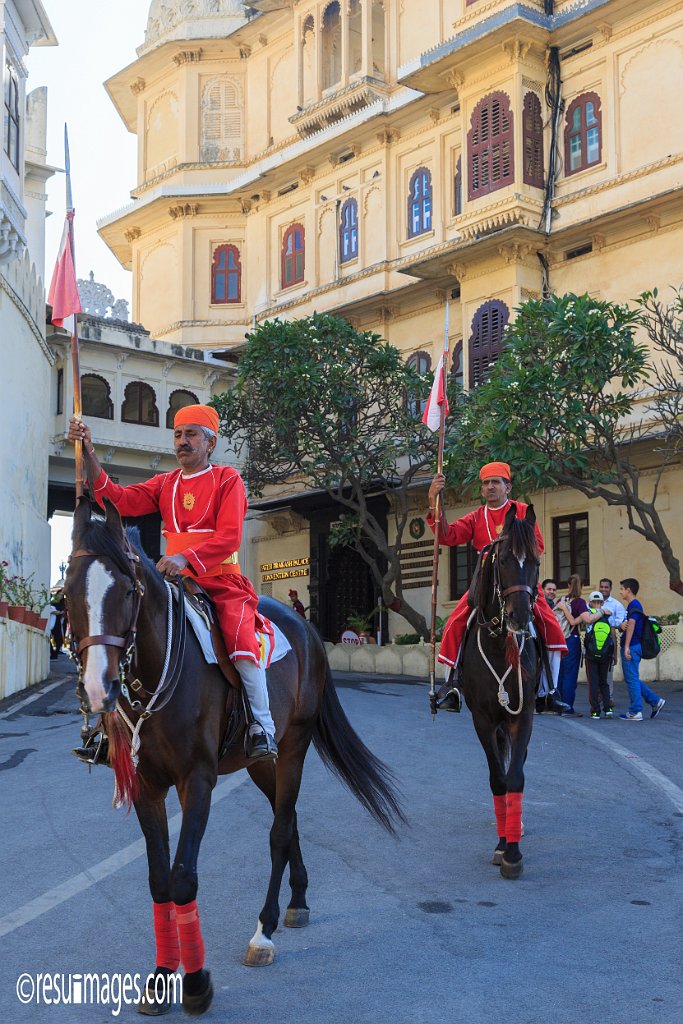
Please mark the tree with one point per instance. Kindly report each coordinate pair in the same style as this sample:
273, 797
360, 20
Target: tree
323, 405
664, 326
567, 404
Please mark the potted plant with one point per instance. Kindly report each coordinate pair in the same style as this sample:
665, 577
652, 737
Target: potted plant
4, 566
14, 588
361, 624
41, 603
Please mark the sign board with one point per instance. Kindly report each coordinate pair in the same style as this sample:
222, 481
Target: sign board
285, 570
349, 637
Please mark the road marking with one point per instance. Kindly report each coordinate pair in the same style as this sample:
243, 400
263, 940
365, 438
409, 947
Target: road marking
30, 700
79, 883
674, 792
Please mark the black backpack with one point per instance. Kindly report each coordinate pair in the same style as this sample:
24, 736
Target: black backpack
651, 638
598, 644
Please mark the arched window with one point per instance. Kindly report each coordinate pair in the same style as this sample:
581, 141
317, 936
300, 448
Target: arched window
293, 256
457, 188
421, 362
139, 405
12, 120
308, 62
457, 366
96, 397
583, 133
378, 38
486, 341
221, 121
355, 37
420, 202
178, 400
332, 46
226, 275
348, 231
532, 132
490, 146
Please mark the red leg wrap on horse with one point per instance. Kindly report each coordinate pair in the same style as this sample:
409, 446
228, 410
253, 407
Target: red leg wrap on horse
513, 821
191, 941
166, 934
499, 805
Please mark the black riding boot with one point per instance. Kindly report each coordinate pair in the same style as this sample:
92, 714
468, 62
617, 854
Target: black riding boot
94, 751
448, 698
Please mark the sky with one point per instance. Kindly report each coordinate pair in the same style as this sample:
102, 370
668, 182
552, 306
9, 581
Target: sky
95, 41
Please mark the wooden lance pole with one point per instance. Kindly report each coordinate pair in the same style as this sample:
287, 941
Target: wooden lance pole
75, 350
438, 516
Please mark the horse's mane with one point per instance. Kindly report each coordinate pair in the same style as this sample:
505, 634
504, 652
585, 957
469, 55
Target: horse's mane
99, 539
522, 539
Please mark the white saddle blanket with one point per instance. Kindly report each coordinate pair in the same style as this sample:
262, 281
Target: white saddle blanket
280, 643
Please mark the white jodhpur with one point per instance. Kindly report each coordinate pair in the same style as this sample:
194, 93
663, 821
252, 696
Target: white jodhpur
554, 659
254, 679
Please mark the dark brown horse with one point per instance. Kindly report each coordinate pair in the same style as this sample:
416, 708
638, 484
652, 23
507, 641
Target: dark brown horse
500, 668
111, 589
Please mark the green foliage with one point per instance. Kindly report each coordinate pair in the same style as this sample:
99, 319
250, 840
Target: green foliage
406, 639
317, 398
555, 402
361, 623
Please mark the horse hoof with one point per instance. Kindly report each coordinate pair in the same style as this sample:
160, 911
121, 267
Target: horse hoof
149, 1005
259, 956
497, 858
297, 917
510, 868
196, 1003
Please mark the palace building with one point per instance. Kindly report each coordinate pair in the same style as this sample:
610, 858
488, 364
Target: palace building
376, 158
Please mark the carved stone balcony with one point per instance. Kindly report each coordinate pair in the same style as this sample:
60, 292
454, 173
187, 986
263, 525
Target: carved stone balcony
338, 105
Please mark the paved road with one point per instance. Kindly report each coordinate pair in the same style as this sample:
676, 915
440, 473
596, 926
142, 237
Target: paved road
422, 930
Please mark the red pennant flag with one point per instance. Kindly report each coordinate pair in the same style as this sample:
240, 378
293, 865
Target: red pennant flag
431, 417
63, 295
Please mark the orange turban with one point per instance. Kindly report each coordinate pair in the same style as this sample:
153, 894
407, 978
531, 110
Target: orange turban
495, 469
197, 415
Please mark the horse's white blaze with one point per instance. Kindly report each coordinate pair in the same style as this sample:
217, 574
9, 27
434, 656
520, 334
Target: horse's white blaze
521, 562
259, 940
97, 582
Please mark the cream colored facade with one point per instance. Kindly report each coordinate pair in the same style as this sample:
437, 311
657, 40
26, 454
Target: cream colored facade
26, 358
249, 125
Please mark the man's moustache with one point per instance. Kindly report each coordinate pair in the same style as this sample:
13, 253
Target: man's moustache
184, 449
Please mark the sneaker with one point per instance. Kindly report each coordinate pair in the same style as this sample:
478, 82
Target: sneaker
595, 714
609, 713
638, 717
657, 708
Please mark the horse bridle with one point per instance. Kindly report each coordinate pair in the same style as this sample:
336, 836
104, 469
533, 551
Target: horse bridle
125, 643
496, 625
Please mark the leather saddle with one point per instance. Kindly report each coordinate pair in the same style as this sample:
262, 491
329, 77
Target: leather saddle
198, 598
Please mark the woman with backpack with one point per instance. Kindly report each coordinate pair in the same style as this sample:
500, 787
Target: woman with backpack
571, 607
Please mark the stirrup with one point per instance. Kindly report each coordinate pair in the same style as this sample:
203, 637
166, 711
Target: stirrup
450, 701
94, 751
260, 746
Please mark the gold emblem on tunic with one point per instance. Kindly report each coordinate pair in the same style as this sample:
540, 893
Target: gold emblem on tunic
499, 529
188, 501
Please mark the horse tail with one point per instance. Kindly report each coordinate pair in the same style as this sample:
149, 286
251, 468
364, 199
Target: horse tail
345, 754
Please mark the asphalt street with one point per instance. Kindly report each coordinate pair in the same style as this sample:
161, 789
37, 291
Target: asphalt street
420, 929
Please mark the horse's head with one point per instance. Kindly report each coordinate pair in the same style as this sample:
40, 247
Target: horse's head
103, 594
516, 566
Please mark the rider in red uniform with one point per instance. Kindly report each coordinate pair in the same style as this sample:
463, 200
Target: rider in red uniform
481, 527
203, 508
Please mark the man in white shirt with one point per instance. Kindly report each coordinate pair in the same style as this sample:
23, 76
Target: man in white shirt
617, 614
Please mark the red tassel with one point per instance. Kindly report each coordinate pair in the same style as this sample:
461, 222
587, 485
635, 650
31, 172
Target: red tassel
511, 650
513, 821
166, 934
190, 934
127, 786
499, 805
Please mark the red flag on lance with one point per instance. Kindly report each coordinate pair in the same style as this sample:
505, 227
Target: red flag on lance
435, 418
65, 302
63, 294
431, 417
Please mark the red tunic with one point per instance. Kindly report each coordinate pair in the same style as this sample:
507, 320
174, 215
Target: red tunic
481, 527
211, 504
